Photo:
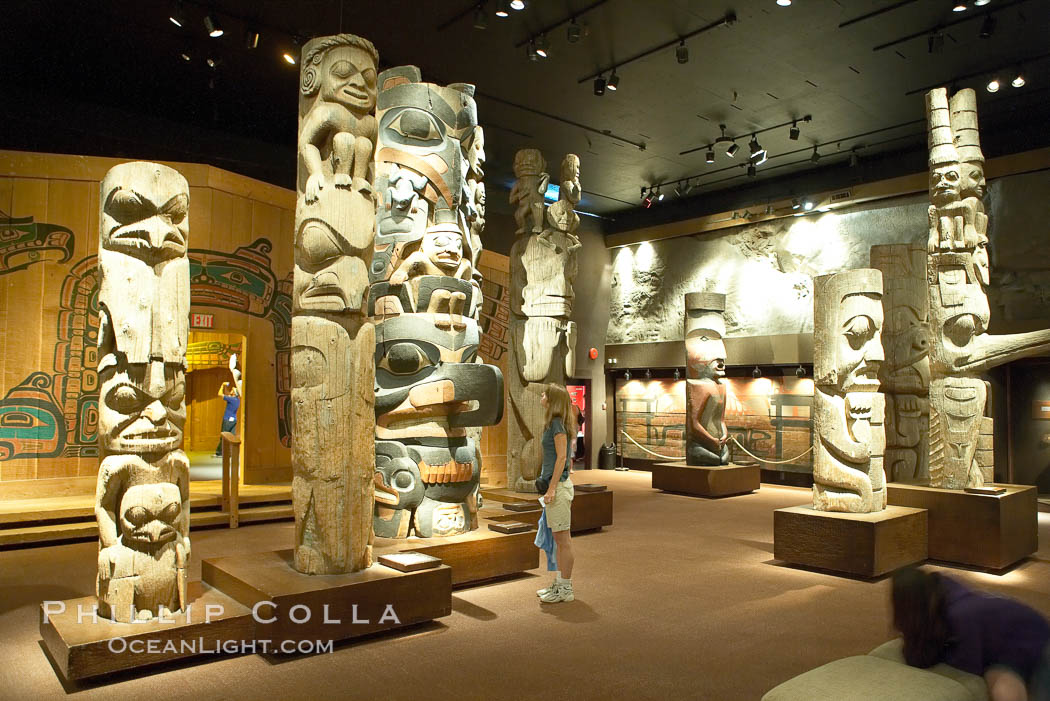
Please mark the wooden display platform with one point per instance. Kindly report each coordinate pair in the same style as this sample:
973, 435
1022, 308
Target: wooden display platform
95, 646
979, 530
477, 556
298, 607
590, 510
868, 545
706, 481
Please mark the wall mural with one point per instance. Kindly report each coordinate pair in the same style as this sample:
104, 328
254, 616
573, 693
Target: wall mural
56, 415
24, 242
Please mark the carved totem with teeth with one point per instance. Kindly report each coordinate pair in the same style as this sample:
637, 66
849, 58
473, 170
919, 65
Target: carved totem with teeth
848, 410
333, 338
543, 339
432, 392
142, 495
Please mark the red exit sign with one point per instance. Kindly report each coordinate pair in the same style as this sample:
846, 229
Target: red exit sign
202, 321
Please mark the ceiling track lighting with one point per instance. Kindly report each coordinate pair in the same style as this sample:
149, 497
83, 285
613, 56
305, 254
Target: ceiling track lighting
648, 374
784, 3
800, 372
502, 9
815, 156
178, 14
681, 53
677, 375
981, 3
534, 54
185, 57
627, 376
960, 6
993, 85
709, 157
573, 32
614, 81
987, 27
517, 4
290, 57
733, 148
854, 159
481, 18
793, 132
935, 43
1018, 81
251, 39
808, 204
659, 195
599, 86
796, 203
758, 154
756, 373
211, 24
751, 170
542, 47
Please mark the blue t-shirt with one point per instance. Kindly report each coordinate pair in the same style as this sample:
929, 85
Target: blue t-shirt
550, 454
233, 403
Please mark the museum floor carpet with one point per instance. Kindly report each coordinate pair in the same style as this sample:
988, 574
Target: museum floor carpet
679, 599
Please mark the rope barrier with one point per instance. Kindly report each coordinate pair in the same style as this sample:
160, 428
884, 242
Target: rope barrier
666, 457
679, 457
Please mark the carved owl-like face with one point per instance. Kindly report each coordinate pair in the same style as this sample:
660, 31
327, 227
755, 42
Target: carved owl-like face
145, 212
945, 184
705, 348
141, 407
858, 344
150, 513
349, 79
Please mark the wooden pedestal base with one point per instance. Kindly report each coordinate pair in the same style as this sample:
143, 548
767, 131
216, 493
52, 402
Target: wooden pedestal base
476, 556
590, 510
706, 481
93, 645
868, 545
980, 530
290, 606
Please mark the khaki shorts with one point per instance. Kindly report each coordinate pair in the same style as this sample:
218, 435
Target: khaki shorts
559, 511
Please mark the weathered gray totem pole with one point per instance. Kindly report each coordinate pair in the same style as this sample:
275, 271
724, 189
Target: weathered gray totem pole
142, 496
425, 298
542, 270
848, 410
706, 434
333, 338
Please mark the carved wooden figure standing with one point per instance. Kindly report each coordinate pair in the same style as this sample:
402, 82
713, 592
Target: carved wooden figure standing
707, 437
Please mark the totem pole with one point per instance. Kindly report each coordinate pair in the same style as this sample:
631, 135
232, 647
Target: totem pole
706, 434
142, 496
848, 410
333, 339
960, 424
425, 299
543, 340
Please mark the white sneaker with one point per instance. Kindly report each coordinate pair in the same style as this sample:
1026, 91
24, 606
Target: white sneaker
562, 591
549, 587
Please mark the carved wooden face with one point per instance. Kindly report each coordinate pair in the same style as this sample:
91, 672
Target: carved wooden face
973, 183
349, 79
981, 264
570, 168
476, 153
907, 367
945, 184
705, 349
529, 161
329, 272
858, 345
443, 248
145, 212
150, 514
549, 272
141, 407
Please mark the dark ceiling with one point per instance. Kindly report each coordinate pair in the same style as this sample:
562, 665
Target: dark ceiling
107, 78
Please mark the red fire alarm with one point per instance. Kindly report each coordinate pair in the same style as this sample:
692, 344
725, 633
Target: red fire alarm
594, 354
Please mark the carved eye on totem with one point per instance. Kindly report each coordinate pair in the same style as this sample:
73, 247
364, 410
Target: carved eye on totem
417, 126
138, 516
343, 69
405, 359
319, 246
125, 206
176, 209
126, 399
961, 329
170, 512
858, 331
177, 394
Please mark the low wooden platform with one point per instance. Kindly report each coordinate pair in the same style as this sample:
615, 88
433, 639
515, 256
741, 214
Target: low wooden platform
979, 530
704, 480
867, 545
590, 510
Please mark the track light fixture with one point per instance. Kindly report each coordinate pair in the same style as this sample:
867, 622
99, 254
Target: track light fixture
627, 376
599, 86
678, 189
677, 375
710, 155
784, 3
533, 53
502, 9
807, 204
659, 195
517, 4
178, 14
756, 373
758, 154
647, 197
793, 132
681, 52
290, 56
854, 159
960, 6
981, 3
648, 374
614, 81
751, 170
1018, 81
211, 23
542, 47
572, 32
935, 43
987, 27
796, 203
815, 156
251, 39
733, 148
993, 85
800, 371
185, 57
481, 18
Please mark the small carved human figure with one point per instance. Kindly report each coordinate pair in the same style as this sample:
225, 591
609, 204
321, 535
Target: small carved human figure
337, 135
707, 437
562, 214
527, 193
848, 411
440, 253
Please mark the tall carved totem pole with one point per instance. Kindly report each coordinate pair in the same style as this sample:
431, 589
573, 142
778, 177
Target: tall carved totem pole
706, 433
431, 388
333, 338
142, 496
542, 270
848, 410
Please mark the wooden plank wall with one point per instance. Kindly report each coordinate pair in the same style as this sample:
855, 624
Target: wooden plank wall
495, 349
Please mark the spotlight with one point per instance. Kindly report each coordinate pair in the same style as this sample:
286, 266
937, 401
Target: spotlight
517, 4
960, 7
800, 371
211, 23
251, 39
981, 3
814, 157
807, 204
677, 375
796, 203
289, 57
993, 85
784, 3
659, 195
756, 373
769, 209
648, 374
793, 132
647, 198
599, 86
212, 63
987, 27
710, 155
627, 376
758, 154
502, 10
681, 53
1018, 81
481, 18
731, 151
614, 81
935, 43
751, 170
178, 14
572, 33
185, 57
542, 47
678, 189
532, 52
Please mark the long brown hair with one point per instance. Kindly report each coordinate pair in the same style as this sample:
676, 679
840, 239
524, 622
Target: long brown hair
918, 613
559, 405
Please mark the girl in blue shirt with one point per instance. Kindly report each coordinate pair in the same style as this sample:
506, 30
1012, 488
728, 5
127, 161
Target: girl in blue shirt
560, 423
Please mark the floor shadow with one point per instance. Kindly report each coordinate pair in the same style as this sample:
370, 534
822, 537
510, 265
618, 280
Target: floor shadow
576, 611
474, 611
377, 638
833, 573
16, 597
764, 546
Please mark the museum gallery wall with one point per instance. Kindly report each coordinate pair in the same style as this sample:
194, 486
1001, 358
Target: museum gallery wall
240, 260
